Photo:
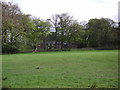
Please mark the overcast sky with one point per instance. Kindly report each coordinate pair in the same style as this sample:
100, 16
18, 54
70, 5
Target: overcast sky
82, 10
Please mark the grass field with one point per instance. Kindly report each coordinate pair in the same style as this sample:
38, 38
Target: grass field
74, 69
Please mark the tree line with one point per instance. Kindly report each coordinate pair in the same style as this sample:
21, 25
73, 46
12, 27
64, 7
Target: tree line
23, 32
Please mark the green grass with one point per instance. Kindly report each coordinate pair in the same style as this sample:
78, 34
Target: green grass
74, 69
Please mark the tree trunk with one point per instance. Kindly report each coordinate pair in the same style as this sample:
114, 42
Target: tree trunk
56, 38
34, 48
44, 44
62, 41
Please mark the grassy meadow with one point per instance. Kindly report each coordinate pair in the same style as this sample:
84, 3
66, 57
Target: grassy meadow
69, 69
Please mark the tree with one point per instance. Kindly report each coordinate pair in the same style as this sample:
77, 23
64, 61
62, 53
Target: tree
20, 31
16, 26
76, 34
64, 27
67, 30
100, 31
38, 34
55, 24
10, 31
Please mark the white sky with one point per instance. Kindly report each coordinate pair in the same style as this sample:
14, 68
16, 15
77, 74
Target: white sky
82, 10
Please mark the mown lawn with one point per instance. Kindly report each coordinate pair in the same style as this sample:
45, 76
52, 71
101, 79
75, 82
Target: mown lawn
74, 69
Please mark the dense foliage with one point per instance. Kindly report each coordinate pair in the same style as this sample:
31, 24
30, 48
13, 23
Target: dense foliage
21, 32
